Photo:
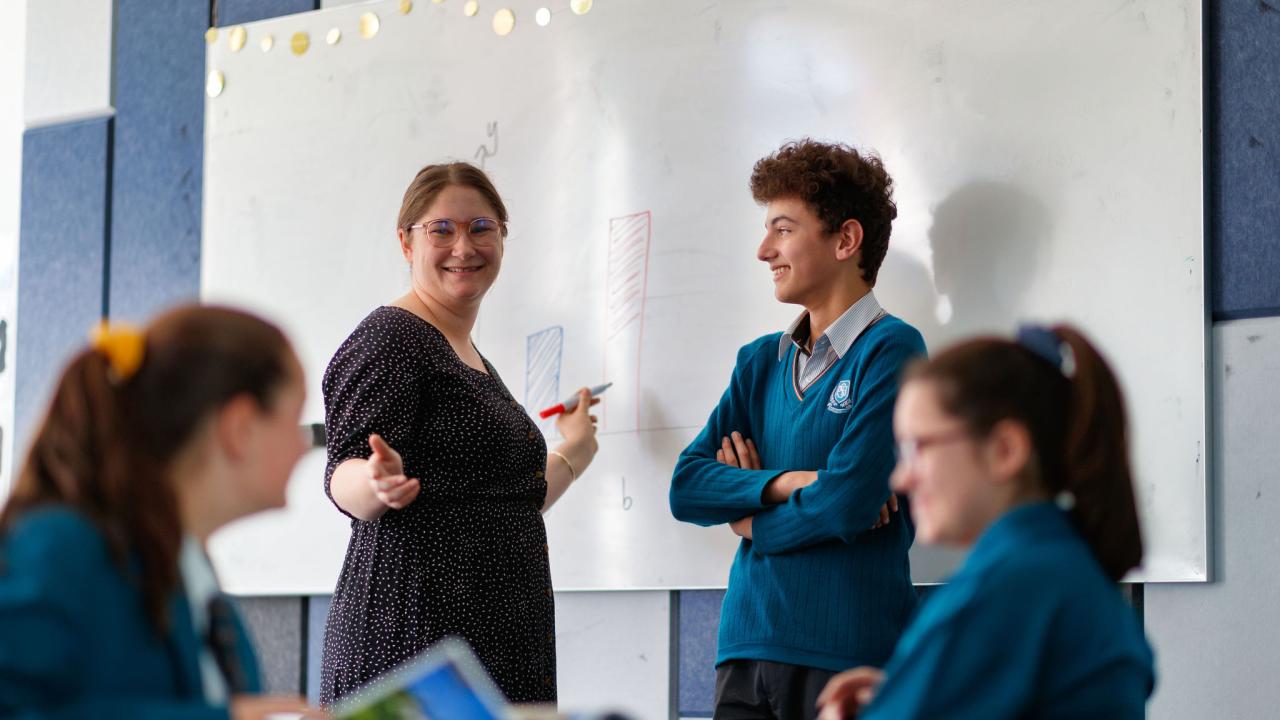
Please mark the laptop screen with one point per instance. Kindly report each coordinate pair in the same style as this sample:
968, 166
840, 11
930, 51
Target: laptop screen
446, 682
444, 693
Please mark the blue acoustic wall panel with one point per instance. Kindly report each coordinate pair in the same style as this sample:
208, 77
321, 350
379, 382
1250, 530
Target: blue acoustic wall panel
1242, 95
317, 614
159, 151
698, 624
62, 249
234, 12
277, 627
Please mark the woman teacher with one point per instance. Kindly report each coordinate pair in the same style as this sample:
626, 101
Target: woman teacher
441, 471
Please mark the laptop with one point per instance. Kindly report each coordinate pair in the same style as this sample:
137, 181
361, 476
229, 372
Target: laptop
445, 682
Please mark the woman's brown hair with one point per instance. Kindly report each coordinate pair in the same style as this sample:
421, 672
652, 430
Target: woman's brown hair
433, 179
1054, 382
106, 445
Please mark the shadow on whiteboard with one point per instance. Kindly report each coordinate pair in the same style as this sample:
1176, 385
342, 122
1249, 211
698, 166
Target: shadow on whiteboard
986, 243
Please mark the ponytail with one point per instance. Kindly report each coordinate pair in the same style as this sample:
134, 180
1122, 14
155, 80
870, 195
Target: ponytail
1055, 383
1096, 460
83, 455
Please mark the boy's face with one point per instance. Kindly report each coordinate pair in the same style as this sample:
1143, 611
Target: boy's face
801, 254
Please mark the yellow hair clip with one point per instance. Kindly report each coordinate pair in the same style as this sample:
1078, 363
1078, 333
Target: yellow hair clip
122, 345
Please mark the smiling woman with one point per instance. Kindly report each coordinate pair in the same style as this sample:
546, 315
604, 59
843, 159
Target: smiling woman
442, 473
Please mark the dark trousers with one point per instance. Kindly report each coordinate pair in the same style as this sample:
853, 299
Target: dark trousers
763, 690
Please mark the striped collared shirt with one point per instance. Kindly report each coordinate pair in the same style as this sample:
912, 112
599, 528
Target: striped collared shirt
201, 585
833, 344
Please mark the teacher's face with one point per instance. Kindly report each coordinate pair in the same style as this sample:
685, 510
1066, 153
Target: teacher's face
455, 262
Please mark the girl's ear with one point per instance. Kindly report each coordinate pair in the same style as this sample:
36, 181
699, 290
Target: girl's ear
233, 426
1008, 450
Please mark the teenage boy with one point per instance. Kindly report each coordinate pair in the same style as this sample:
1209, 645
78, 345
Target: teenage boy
797, 455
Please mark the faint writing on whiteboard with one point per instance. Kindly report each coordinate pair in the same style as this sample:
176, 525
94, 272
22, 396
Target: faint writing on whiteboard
483, 152
626, 499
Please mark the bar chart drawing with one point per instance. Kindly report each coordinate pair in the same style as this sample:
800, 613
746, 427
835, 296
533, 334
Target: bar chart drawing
543, 351
627, 281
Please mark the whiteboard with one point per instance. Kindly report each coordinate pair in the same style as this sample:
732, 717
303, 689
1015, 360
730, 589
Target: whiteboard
1047, 157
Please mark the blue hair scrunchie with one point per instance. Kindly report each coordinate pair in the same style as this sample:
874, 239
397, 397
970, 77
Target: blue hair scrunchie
1046, 345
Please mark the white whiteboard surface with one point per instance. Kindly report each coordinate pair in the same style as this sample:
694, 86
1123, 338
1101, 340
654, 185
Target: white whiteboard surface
1047, 157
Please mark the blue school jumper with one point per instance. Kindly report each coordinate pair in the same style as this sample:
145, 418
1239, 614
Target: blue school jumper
75, 640
1029, 627
816, 586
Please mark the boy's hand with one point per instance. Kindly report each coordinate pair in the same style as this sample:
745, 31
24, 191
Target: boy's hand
885, 510
739, 452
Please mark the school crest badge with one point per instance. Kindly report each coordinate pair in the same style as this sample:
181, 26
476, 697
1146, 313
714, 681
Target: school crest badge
840, 402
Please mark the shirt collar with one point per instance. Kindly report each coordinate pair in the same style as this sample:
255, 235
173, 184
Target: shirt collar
842, 332
201, 586
198, 579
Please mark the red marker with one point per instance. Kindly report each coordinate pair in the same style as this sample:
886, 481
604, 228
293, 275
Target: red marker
571, 403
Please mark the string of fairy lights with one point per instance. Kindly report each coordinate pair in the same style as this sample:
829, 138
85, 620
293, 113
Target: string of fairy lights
368, 26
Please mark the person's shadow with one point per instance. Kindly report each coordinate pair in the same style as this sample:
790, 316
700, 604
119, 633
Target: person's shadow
904, 288
987, 240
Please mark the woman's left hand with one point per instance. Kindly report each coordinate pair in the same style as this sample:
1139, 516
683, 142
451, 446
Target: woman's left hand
578, 428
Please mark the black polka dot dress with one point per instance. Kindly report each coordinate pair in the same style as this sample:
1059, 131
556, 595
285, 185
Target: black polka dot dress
469, 556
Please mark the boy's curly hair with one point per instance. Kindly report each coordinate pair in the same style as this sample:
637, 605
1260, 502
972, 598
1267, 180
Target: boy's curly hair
839, 184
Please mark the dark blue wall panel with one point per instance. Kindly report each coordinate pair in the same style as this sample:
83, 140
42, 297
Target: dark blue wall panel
65, 191
699, 623
317, 613
277, 628
159, 150
234, 12
1242, 100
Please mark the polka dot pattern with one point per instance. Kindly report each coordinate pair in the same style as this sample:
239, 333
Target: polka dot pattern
469, 556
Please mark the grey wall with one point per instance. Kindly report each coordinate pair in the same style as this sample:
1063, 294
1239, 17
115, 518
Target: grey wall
1218, 645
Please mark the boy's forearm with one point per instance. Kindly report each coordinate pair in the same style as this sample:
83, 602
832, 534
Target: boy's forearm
780, 488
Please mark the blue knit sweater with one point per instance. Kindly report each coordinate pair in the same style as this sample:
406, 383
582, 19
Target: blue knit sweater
816, 586
1030, 627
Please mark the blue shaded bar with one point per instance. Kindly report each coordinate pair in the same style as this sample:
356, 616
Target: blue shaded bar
543, 352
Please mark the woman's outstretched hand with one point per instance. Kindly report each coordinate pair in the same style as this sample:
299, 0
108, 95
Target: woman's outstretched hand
386, 475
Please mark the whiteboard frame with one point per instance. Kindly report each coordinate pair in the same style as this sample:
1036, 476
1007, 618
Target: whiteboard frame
259, 530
